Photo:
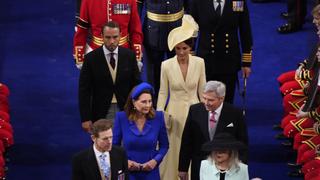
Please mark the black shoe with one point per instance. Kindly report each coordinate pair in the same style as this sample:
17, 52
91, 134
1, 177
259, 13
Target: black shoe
6, 160
294, 165
281, 136
296, 174
284, 15
6, 169
277, 127
288, 145
291, 154
289, 28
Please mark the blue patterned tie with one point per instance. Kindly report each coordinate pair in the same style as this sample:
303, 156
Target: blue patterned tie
105, 167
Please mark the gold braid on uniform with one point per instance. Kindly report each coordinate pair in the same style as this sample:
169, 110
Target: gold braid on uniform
313, 114
83, 24
318, 130
304, 63
305, 75
305, 91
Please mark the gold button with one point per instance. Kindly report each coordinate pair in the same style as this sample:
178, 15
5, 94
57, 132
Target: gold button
212, 51
212, 46
212, 40
212, 35
227, 40
226, 51
227, 35
227, 46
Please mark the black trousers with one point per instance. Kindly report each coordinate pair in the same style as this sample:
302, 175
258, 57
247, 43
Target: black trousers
230, 80
153, 59
297, 10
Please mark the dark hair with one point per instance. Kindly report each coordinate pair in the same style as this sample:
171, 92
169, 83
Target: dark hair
111, 24
129, 108
189, 42
100, 126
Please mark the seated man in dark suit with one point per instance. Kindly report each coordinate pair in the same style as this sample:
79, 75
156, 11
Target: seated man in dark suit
102, 161
107, 76
204, 121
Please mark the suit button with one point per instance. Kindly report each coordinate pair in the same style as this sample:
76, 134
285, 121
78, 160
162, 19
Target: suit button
212, 40
168, 2
212, 35
110, 19
110, 14
212, 46
212, 51
168, 12
227, 52
227, 46
227, 40
227, 35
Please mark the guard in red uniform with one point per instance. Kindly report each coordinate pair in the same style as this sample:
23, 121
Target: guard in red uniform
95, 13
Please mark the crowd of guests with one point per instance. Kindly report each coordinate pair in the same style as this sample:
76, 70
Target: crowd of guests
300, 125
163, 125
6, 137
162, 143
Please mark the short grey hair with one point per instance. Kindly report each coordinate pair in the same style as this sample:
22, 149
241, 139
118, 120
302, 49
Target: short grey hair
215, 86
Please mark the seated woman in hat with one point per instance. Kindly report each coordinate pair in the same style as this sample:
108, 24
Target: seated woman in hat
184, 76
223, 163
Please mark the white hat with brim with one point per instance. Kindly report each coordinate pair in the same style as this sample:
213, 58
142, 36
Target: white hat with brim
180, 34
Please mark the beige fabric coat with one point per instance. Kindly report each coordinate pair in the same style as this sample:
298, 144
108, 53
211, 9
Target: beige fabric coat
182, 95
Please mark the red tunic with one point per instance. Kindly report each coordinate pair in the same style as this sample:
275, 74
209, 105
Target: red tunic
96, 13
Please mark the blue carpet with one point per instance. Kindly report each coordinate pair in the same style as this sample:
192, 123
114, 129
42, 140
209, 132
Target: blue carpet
36, 64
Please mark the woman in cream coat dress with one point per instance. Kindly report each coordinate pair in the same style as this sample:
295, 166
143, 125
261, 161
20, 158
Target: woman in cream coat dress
184, 76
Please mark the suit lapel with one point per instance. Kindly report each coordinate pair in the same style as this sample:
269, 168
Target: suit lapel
114, 164
213, 16
203, 121
121, 63
190, 74
223, 121
102, 63
93, 165
178, 73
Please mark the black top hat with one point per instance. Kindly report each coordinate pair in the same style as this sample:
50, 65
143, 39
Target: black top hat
223, 142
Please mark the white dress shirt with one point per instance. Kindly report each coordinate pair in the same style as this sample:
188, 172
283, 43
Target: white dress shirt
215, 4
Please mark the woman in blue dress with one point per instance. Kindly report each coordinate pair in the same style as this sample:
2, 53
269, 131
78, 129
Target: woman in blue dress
141, 129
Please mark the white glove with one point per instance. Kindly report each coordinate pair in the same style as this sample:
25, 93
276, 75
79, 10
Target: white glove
79, 65
140, 65
75, 28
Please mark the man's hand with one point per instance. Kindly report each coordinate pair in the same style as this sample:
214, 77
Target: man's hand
301, 114
140, 66
148, 166
245, 72
79, 65
183, 175
317, 150
86, 126
315, 127
133, 166
299, 70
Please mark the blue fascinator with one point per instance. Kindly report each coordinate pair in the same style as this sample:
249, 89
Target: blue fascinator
140, 88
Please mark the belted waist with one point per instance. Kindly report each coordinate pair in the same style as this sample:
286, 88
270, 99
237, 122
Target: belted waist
99, 41
165, 17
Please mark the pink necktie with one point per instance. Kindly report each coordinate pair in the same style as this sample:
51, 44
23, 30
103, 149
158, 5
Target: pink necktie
212, 120
112, 60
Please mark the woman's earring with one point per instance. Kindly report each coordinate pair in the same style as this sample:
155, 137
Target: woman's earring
134, 108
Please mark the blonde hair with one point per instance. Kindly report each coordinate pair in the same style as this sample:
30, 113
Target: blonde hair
232, 161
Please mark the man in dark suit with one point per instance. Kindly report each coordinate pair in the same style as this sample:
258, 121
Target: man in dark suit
102, 161
107, 76
204, 121
219, 21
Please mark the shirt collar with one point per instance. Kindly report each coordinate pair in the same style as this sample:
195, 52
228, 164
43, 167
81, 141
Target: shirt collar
218, 110
97, 152
106, 51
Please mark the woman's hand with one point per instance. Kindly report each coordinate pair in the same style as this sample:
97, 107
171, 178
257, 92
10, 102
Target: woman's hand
133, 166
149, 166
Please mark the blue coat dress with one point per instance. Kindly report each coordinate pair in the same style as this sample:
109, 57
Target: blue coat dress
142, 147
